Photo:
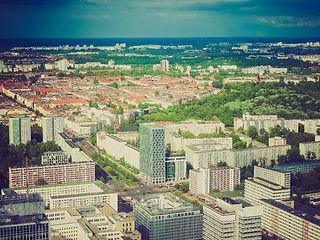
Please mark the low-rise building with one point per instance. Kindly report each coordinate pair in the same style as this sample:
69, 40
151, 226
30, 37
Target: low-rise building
305, 166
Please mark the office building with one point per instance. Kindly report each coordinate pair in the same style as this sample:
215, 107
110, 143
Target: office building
165, 216
70, 195
51, 126
51, 174
19, 130
164, 65
176, 167
22, 217
272, 175
305, 166
152, 152
289, 220
231, 219
256, 189
203, 181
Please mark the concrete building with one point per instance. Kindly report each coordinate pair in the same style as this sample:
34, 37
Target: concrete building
165, 216
50, 158
51, 126
231, 219
152, 152
289, 220
310, 147
164, 65
119, 148
272, 175
22, 217
311, 125
56, 196
277, 141
203, 181
257, 189
52, 174
19, 130
305, 166
62, 65
201, 156
264, 122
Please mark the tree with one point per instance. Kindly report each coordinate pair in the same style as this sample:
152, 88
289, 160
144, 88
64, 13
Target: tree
318, 131
252, 132
222, 164
184, 187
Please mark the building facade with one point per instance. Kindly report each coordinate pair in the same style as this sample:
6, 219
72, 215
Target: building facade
310, 147
165, 216
51, 126
272, 175
203, 181
49, 158
52, 174
176, 167
290, 220
152, 152
305, 166
231, 219
19, 130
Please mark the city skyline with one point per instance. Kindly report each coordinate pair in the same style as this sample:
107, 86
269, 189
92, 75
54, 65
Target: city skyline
133, 19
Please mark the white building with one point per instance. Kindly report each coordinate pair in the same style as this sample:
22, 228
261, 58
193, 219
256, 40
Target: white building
51, 126
19, 130
307, 147
275, 176
231, 219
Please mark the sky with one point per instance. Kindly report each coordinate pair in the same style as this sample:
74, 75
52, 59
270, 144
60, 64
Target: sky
158, 18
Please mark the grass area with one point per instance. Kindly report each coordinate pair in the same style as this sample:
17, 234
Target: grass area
238, 193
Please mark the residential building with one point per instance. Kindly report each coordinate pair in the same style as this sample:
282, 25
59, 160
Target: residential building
50, 158
311, 125
277, 141
71, 194
19, 130
164, 65
231, 219
272, 175
203, 181
51, 126
175, 167
51, 174
62, 65
165, 216
152, 152
310, 147
257, 189
305, 166
22, 217
290, 220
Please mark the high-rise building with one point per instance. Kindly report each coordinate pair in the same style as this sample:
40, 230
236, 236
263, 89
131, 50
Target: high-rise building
165, 216
51, 126
152, 152
164, 65
176, 167
272, 175
22, 217
19, 130
231, 219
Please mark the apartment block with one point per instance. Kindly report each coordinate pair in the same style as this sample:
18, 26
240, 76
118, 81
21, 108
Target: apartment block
165, 216
277, 141
311, 125
19, 130
272, 175
203, 181
51, 126
289, 220
51, 174
310, 147
176, 167
231, 219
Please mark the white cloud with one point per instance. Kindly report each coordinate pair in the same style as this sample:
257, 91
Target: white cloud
289, 21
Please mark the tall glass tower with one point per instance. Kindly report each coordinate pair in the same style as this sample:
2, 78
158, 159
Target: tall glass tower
152, 152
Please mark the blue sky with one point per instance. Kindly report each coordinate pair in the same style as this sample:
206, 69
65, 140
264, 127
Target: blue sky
158, 18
